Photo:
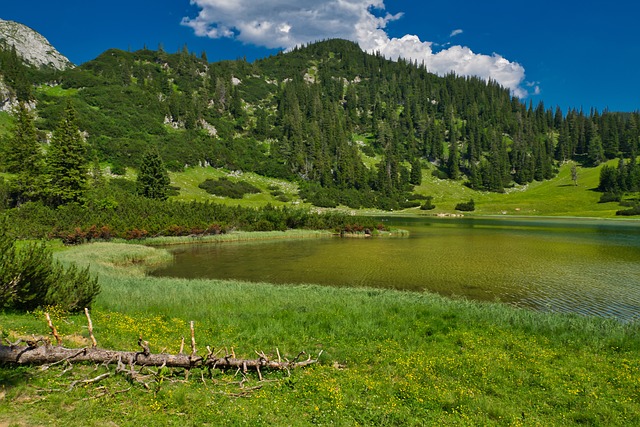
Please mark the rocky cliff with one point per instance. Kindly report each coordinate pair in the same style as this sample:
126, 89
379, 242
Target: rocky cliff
32, 46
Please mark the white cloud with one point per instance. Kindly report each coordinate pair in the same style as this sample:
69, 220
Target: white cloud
456, 32
288, 23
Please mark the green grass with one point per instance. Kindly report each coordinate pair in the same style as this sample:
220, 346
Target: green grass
389, 357
57, 91
237, 236
189, 180
556, 197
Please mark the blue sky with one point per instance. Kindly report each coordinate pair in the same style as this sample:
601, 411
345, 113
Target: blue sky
568, 53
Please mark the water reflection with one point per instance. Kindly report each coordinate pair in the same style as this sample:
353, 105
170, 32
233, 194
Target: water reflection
588, 267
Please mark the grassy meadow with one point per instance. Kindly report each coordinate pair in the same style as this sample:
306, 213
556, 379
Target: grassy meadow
189, 180
388, 357
556, 197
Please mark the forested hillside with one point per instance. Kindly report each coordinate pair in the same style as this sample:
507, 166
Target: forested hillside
350, 127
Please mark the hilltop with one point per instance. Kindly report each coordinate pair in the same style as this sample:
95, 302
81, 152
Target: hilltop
343, 127
31, 46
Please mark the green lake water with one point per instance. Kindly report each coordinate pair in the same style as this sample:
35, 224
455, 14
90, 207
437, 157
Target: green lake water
565, 265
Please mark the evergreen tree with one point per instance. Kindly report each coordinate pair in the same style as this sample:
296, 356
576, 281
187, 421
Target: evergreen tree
416, 172
608, 179
596, 152
453, 161
22, 156
262, 125
153, 179
66, 161
97, 178
15, 73
633, 174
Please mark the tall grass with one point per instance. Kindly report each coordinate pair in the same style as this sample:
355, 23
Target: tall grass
238, 236
390, 357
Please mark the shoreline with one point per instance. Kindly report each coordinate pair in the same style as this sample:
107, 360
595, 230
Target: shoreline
388, 356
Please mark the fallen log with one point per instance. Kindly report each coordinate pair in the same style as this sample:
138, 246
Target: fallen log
34, 354
41, 352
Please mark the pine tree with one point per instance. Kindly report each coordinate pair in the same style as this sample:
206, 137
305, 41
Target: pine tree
416, 172
596, 152
97, 178
453, 161
23, 157
66, 161
153, 179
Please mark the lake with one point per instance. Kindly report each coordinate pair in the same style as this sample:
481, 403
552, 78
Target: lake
590, 267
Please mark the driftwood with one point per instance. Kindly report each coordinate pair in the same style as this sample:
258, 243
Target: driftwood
42, 352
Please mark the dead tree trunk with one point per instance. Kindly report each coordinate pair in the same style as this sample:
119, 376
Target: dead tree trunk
41, 352
34, 354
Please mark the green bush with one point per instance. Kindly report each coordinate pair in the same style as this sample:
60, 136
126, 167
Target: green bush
609, 197
415, 196
469, 206
5, 194
225, 188
439, 174
118, 168
428, 204
409, 204
635, 210
30, 278
368, 150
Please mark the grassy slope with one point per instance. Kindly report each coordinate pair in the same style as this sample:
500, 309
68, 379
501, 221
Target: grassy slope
189, 180
390, 358
556, 197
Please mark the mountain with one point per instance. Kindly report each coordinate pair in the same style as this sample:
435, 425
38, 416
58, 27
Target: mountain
350, 127
31, 46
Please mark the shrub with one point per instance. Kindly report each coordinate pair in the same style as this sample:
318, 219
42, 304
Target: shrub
76, 237
176, 230
609, 197
469, 206
216, 229
135, 234
440, 174
368, 151
5, 194
428, 204
323, 201
30, 278
225, 188
409, 204
174, 166
118, 168
629, 212
628, 203
105, 233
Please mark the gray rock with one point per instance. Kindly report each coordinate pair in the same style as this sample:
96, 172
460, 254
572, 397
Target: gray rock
31, 46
